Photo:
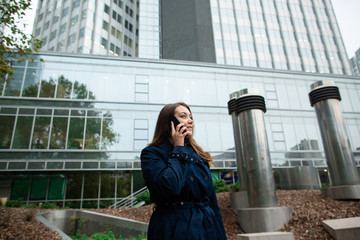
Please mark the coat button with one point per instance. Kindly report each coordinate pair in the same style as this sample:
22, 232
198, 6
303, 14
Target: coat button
192, 159
191, 178
206, 178
181, 203
178, 155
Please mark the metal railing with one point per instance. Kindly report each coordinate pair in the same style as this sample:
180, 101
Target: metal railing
130, 201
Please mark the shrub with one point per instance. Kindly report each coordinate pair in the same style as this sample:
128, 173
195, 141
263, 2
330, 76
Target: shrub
32, 205
234, 187
14, 203
48, 205
220, 186
145, 196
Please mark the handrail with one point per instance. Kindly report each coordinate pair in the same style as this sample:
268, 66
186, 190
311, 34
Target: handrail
130, 200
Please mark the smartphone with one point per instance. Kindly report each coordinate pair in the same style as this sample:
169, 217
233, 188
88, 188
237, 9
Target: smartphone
175, 121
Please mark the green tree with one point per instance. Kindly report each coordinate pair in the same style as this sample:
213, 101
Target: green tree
15, 45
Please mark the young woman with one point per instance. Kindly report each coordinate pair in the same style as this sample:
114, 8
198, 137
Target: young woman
176, 172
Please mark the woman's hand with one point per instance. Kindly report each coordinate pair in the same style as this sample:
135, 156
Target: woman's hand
178, 135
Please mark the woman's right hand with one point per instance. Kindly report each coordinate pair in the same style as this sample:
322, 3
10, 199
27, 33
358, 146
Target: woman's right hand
178, 135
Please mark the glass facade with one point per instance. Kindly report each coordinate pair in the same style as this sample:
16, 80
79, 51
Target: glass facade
106, 27
76, 124
298, 35
355, 63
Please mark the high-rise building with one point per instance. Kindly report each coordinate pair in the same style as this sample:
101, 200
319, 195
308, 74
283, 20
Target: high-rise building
92, 27
72, 127
355, 63
298, 35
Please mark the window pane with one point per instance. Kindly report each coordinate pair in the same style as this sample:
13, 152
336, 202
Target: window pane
58, 133
6, 129
22, 132
47, 88
73, 186
80, 91
38, 188
107, 186
92, 137
64, 88
41, 133
91, 185
31, 84
13, 85
20, 189
76, 133
56, 188
123, 184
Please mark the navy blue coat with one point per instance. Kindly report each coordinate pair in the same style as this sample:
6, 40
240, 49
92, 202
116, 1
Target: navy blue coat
180, 184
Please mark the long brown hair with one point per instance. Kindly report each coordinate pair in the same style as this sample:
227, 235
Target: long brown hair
162, 131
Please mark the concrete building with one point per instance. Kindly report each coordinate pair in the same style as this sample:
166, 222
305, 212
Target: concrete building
72, 127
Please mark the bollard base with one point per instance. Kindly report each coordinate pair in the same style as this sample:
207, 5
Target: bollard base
239, 200
266, 219
344, 192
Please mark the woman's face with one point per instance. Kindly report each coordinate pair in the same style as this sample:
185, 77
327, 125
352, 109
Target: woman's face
184, 116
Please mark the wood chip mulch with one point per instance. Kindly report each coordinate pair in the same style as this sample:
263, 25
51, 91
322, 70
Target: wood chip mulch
309, 209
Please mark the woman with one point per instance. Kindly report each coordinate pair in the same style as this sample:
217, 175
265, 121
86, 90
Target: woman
176, 172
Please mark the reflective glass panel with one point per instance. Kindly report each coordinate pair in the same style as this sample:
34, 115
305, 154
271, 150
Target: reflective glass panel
56, 188
48, 88
64, 88
76, 133
41, 133
38, 188
107, 186
14, 82
6, 129
22, 132
31, 82
58, 133
73, 186
92, 136
20, 188
91, 185
123, 184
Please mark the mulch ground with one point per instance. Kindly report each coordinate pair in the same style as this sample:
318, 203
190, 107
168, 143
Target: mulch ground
309, 209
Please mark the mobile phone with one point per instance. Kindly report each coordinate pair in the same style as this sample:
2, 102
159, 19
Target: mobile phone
175, 121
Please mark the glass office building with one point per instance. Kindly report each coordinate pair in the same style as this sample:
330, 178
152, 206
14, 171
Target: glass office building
72, 127
299, 35
106, 27
355, 63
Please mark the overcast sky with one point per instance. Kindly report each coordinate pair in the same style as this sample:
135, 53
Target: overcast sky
347, 13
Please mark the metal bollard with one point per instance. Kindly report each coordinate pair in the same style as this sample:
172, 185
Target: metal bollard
252, 139
325, 97
262, 214
238, 146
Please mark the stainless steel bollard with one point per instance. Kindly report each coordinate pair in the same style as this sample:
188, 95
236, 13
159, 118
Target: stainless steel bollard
238, 146
325, 97
252, 139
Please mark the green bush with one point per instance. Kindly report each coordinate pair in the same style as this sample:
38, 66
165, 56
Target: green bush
234, 187
104, 236
145, 196
48, 205
14, 203
32, 205
220, 186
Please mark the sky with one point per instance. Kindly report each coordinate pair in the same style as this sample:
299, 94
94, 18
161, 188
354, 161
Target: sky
347, 13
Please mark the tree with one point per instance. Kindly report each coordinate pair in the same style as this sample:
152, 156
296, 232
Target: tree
14, 43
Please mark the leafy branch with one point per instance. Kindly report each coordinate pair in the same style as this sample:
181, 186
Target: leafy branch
14, 43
